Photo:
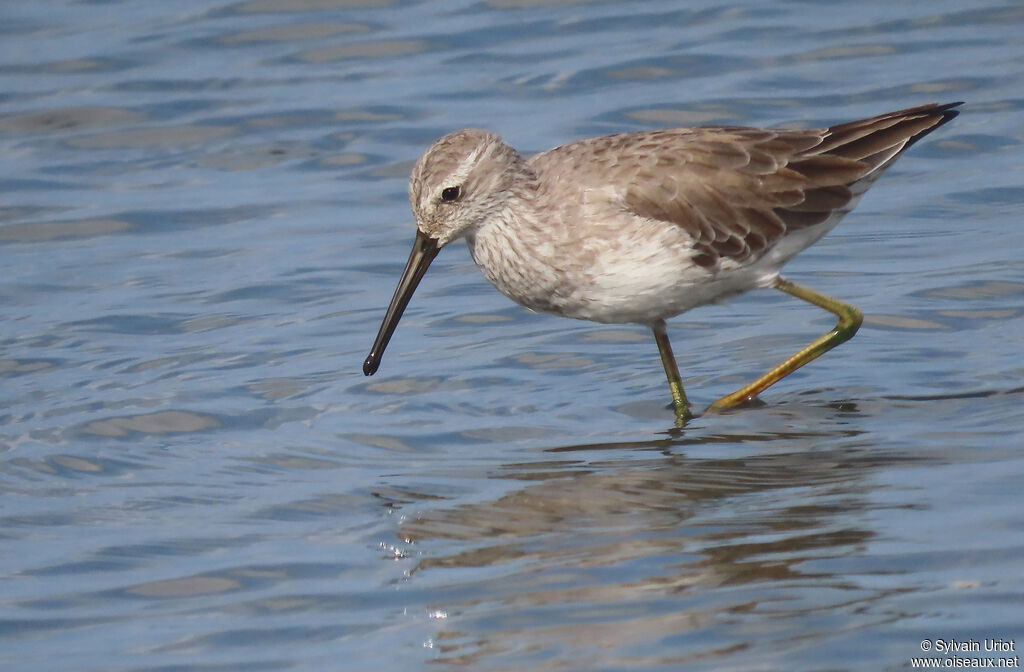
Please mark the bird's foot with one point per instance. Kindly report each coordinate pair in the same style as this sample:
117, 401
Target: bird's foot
731, 401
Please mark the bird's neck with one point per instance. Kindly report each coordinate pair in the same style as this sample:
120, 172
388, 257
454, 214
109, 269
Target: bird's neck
516, 252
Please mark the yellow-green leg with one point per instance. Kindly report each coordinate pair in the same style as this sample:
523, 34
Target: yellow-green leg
668, 360
849, 322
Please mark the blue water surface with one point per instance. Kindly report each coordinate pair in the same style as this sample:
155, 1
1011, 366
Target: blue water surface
203, 215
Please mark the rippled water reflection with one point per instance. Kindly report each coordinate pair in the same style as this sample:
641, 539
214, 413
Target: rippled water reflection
204, 215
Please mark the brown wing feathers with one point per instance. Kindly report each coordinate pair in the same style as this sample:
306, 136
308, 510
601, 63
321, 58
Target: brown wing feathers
740, 190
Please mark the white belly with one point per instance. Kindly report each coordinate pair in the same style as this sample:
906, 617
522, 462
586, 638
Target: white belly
638, 273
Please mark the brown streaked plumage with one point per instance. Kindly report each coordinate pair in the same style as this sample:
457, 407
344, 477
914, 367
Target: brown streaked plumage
640, 227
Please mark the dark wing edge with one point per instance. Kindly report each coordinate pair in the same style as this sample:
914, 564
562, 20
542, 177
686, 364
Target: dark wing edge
737, 191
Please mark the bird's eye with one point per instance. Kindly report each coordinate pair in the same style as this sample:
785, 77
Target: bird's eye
451, 194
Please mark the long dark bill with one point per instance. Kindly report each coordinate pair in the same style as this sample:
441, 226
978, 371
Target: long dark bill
424, 249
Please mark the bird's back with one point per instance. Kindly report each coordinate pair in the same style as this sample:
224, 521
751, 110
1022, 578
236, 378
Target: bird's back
738, 191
